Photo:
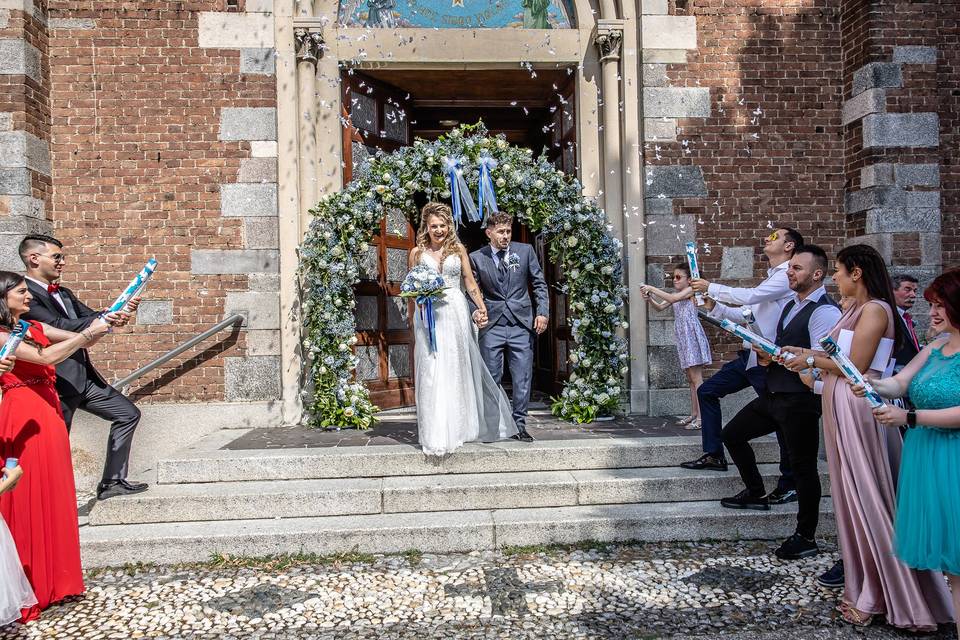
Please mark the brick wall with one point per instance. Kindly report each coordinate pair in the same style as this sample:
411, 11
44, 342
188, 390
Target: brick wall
948, 70
139, 162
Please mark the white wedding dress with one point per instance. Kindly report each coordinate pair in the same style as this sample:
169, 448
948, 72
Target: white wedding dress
15, 591
457, 399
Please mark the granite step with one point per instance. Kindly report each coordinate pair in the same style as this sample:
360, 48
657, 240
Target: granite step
209, 461
410, 494
433, 532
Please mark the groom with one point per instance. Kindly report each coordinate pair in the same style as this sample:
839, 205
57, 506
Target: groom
505, 272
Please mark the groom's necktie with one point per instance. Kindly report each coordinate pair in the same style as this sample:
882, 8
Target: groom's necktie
501, 266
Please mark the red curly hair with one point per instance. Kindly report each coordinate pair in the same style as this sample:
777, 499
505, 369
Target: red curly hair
945, 291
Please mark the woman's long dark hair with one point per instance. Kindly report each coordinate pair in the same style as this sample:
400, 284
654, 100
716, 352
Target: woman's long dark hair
876, 278
8, 281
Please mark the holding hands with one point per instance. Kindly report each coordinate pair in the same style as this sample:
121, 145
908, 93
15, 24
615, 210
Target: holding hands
480, 318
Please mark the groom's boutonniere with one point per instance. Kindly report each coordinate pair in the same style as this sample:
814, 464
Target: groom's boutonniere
513, 261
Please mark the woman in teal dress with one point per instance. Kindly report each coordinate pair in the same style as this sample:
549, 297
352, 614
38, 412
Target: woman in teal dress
927, 525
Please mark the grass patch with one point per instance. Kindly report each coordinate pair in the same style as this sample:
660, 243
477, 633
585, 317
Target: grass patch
413, 556
534, 549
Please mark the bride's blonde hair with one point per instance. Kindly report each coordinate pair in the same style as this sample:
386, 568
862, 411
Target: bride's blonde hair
451, 243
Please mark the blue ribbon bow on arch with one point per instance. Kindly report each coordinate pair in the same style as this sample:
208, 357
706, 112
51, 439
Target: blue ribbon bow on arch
486, 195
460, 198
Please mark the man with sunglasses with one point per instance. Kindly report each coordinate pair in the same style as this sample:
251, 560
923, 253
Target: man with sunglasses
765, 302
79, 384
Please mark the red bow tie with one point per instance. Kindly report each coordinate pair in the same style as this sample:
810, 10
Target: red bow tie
53, 288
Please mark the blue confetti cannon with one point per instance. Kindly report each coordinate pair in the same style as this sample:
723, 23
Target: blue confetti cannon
135, 287
694, 268
850, 371
748, 336
13, 341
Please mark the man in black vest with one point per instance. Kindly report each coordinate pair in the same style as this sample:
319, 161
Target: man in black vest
79, 384
788, 405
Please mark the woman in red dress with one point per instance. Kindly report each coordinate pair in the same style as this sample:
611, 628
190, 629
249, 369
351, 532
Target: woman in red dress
42, 512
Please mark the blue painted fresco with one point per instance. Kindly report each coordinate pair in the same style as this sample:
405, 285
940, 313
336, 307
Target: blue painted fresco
458, 14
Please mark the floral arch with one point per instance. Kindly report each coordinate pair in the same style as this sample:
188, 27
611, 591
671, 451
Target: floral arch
543, 198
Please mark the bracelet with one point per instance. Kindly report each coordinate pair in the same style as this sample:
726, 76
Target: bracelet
86, 334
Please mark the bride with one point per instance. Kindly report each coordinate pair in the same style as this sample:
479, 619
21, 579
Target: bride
457, 399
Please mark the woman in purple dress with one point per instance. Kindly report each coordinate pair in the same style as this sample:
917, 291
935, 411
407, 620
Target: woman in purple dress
692, 345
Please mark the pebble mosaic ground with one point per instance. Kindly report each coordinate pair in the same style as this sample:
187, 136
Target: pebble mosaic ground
734, 590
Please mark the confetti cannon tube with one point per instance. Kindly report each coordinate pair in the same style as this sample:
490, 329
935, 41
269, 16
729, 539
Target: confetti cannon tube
13, 341
850, 371
694, 268
748, 336
136, 286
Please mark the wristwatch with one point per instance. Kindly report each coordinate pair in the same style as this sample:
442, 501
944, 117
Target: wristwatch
811, 361
911, 418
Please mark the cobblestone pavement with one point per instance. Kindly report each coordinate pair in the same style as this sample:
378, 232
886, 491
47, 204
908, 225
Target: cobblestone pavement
734, 590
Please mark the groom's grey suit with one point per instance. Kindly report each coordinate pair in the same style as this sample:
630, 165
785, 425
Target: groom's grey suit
510, 313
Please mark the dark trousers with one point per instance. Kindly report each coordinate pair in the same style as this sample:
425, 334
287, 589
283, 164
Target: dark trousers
795, 417
734, 377
105, 402
512, 337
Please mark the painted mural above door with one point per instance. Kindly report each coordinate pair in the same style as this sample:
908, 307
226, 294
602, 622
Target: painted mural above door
458, 14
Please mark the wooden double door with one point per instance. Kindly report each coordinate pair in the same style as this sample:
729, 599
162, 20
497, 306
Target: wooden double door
384, 115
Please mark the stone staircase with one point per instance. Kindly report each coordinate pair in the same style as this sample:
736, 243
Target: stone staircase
388, 498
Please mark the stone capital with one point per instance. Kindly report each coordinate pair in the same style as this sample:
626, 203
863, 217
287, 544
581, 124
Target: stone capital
309, 44
608, 39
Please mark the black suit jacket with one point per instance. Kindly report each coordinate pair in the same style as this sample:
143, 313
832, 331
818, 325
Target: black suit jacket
72, 373
909, 350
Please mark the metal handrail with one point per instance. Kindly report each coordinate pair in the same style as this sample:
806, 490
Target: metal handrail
235, 319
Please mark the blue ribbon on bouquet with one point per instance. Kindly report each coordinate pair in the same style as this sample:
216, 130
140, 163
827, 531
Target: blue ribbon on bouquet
486, 195
425, 303
460, 198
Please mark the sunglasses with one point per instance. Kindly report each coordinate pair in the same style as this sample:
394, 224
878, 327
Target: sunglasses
773, 237
56, 257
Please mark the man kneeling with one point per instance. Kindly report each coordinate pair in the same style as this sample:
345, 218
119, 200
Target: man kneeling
788, 405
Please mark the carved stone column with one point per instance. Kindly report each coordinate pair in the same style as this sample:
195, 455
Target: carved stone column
309, 50
608, 41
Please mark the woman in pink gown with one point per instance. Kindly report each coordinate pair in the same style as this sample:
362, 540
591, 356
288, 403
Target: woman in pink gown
863, 458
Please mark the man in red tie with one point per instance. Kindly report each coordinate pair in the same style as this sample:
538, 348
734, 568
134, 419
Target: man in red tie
905, 288
79, 384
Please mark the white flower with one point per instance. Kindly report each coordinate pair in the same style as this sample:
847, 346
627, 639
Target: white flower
387, 177
501, 143
573, 358
572, 241
586, 363
348, 412
337, 250
343, 346
538, 184
625, 324
577, 207
624, 370
574, 273
607, 270
380, 188
609, 308
352, 340
566, 226
501, 182
507, 167
602, 397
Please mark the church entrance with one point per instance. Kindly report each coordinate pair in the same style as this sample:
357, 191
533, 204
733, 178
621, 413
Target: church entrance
388, 109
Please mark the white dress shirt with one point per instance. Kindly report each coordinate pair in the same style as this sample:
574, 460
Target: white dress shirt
822, 321
766, 301
55, 296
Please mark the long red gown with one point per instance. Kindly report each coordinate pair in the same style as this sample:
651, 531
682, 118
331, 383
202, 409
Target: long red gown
41, 511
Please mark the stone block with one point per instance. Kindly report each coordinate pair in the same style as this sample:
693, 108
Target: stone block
668, 32
917, 175
259, 6
877, 75
658, 206
263, 148
923, 199
261, 308
931, 249
658, 275
665, 371
16, 181
26, 206
23, 149
902, 220
155, 312
261, 233
249, 123
18, 225
72, 23
654, 7
676, 102
263, 282
660, 333
258, 61
234, 261
901, 130
670, 402
666, 235
258, 170
9, 258
866, 102
263, 342
655, 75
736, 263
874, 175
664, 56
886, 197
19, 58
6, 121
882, 242
20, 5
675, 181
253, 378
659, 129
222, 30
915, 55
248, 199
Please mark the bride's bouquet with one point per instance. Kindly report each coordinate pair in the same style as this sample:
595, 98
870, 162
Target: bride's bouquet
426, 285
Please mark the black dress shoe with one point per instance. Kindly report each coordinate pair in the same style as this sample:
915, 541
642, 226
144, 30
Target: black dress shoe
744, 500
832, 578
796, 547
782, 496
522, 436
707, 461
119, 488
